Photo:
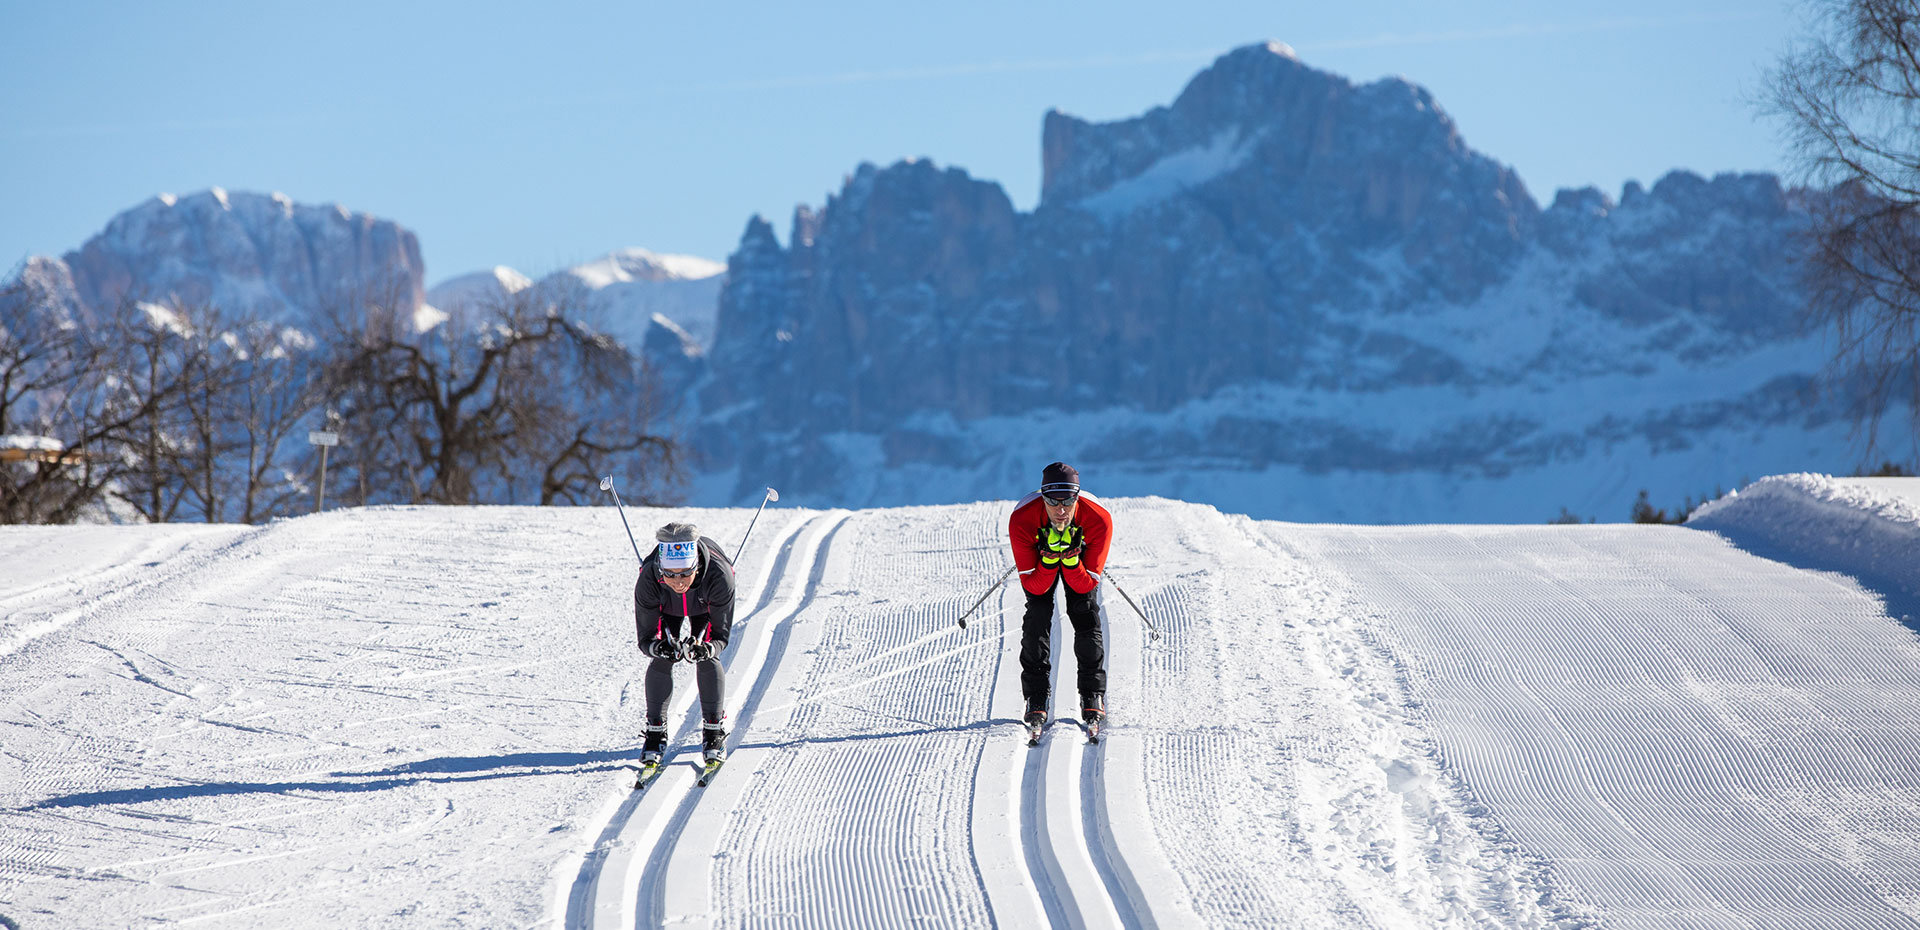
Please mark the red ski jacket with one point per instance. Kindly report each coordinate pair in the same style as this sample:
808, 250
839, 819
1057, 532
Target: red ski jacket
1024, 530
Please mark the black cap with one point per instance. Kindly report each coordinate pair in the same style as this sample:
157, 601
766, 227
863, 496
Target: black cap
1059, 477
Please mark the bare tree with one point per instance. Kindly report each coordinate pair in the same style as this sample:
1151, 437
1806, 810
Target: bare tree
1850, 98
156, 361
105, 392
513, 401
278, 387
595, 408
247, 385
48, 368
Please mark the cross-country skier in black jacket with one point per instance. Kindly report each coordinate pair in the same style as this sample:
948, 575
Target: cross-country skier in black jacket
683, 607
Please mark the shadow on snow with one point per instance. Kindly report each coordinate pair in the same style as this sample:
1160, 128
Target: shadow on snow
1899, 597
446, 770
456, 769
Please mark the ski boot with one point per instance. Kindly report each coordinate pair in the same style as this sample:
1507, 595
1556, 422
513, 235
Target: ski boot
1093, 714
655, 746
650, 754
713, 746
1036, 720
713, 743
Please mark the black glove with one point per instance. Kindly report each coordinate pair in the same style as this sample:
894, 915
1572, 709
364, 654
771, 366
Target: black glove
700, 652
664, 648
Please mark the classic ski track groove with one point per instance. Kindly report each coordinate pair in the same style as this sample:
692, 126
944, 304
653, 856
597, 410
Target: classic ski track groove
1060, 815
677, 885
823, 834
645, 828
633, 827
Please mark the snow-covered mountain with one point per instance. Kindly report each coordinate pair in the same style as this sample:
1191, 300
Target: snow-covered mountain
426, 717
250, 252
1285, 293
664, 304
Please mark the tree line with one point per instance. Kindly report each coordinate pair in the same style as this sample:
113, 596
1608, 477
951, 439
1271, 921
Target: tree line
163, 410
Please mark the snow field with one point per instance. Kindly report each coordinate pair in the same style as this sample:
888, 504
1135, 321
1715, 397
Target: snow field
415, 717
881, 777
368, 718
1693, 736
50, 575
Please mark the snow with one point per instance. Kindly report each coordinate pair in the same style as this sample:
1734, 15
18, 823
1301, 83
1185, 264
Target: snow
22, 441
634, 286
628, 288
421, 717
478, 290
160, 316
1175, 173
636, 264
1864, 527
1581, 446
427, 316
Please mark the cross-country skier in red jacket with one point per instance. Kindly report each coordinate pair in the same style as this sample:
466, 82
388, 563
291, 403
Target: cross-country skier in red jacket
1061, 536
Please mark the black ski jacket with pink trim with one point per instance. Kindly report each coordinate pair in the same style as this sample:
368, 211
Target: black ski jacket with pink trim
709, 602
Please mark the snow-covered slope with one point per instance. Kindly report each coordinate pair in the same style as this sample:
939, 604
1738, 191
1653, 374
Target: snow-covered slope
1868, 528
477, 290
418, 717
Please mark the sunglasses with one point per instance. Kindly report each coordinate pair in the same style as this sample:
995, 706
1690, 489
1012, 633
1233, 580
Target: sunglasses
1061, 501
683, 573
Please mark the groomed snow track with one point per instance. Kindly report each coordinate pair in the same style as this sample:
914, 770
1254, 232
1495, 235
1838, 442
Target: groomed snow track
428, 716
877, 848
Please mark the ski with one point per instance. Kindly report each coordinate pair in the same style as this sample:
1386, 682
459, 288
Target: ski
1034, 732
1093, 729
646, 775
711, 769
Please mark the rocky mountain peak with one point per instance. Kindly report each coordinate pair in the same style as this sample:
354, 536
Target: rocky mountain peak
1278, 270
245, 251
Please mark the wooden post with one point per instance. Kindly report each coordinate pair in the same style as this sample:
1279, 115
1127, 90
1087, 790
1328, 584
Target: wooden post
326, 440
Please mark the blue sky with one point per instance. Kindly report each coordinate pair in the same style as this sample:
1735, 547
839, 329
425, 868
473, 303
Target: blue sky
540, 136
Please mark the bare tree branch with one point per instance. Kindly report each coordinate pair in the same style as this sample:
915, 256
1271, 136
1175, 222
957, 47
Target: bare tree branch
1850, 101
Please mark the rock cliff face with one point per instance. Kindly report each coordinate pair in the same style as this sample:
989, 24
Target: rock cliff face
253, 252
1279, 278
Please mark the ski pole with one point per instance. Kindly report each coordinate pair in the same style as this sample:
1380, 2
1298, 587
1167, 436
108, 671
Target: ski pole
983, 597
1155, 631
772, 495
606, 484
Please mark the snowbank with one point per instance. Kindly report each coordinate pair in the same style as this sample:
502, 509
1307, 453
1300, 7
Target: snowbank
1866, 528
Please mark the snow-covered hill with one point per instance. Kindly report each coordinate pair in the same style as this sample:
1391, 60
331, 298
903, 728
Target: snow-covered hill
418, 717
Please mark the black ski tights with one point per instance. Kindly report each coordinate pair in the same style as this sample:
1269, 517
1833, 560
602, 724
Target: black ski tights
1036, 633
712, 678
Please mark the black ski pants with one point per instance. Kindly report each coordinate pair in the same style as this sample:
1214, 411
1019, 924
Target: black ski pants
1036, 633
708, 673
